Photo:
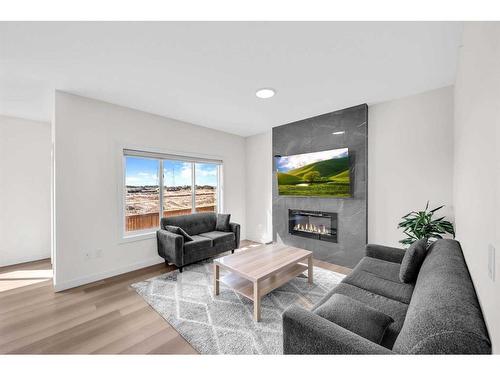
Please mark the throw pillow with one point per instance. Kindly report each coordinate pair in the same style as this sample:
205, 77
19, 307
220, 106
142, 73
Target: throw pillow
222, 222
355, 316
412, 260
179, 230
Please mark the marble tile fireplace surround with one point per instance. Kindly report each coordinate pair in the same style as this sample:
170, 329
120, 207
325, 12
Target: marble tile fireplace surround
341, 238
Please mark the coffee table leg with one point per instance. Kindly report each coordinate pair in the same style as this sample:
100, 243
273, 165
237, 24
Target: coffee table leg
310, 269
256, 301
216, 279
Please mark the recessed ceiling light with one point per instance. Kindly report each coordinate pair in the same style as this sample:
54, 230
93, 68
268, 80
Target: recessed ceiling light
265, 93
339, 133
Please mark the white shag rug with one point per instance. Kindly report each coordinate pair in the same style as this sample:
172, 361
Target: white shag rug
224, 324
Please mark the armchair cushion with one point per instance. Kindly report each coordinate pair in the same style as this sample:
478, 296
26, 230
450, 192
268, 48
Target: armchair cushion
222, 224
355, 316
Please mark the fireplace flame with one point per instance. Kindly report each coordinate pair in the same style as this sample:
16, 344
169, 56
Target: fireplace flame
311, 228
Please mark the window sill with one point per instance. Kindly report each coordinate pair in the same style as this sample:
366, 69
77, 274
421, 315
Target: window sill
138, 237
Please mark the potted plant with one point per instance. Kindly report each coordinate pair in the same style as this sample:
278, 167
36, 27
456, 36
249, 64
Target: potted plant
420, 224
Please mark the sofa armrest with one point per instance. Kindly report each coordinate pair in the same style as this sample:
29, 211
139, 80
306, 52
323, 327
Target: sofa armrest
390, 254
307, 333
170, 246
235, 228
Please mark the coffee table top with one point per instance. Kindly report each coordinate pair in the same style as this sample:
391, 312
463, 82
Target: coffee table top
260, 263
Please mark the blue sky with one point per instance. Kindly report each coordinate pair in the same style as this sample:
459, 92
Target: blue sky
142, 171
287, 163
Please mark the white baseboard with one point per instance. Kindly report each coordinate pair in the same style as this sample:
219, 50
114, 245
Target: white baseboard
104, 275
259, 238
24, 260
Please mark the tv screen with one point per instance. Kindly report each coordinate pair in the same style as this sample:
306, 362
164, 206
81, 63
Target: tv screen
323, 173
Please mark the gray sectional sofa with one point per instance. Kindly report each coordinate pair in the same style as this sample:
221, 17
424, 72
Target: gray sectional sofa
437, 314
206, 240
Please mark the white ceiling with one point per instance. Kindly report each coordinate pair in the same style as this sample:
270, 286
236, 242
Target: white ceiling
207, 73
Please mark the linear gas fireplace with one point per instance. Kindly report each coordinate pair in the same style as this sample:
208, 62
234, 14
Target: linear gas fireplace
313, 224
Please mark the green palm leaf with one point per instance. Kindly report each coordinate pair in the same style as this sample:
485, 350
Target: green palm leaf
420, 224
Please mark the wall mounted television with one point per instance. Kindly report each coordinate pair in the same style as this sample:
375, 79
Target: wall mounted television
321, 174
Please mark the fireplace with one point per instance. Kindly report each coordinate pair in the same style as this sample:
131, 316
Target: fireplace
313, 224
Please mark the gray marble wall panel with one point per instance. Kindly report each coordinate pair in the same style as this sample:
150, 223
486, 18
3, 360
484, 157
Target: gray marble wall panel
315, 134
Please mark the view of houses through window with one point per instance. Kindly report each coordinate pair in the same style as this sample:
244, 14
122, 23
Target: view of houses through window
180, 187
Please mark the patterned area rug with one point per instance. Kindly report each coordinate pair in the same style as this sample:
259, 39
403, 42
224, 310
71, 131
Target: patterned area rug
224, 324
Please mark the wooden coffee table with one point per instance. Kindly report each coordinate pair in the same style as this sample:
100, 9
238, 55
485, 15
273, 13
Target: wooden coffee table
256, 272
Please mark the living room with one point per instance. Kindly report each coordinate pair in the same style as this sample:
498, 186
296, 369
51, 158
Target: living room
249, 188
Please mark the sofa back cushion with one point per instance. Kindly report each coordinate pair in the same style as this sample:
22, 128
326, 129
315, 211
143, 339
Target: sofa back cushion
412, 261
179, 230
444, 314
222, 222
193, 224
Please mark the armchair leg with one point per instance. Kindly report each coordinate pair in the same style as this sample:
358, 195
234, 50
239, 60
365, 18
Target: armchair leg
232, 251
180, 269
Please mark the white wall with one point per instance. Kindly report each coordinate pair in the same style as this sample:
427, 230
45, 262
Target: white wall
88, 139
410, 160
258, 169
25, 148
477, 162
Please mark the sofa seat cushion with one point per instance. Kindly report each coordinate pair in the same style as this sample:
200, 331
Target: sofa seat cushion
382, 268
219, 237
198, 243
379, 285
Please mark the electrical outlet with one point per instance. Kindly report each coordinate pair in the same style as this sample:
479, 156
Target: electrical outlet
491, 262
98, 253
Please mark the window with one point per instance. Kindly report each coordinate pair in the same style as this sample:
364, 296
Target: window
206, 177
177, 185
142, 199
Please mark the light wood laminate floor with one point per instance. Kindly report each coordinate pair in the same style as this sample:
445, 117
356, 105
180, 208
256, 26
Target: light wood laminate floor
106, 317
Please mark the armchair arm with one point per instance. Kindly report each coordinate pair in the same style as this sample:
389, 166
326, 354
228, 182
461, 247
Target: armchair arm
307, 333
235, 228
170, 246
390, 254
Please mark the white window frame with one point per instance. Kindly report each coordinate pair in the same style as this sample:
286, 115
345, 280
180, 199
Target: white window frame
127, 236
